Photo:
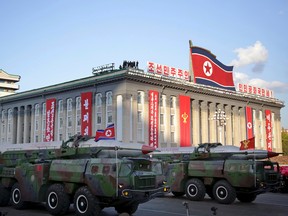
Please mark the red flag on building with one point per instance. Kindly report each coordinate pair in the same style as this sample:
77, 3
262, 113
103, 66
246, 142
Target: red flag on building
108, 133
185, 121
249, 122
248, 144
209, 71
86, 113
50, 119
153, 118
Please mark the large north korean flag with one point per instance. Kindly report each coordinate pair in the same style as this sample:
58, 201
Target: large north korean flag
209, 71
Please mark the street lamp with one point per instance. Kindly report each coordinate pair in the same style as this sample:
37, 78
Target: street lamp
220, 118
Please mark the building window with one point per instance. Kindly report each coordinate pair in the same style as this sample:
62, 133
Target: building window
109, 118
10, 118
36, 122
69, 117
140, 116
98, 106
60, 115
37, 109
161, 119
69, 104
3, 114
172, 137
78, 115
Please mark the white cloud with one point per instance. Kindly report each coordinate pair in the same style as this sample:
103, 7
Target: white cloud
255, 55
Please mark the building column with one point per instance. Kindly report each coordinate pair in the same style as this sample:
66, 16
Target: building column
212, 122
195, 123
236, 123
204, 134
14, 125
277, 142
20, 123
27, 124
120, 124
228, 127
243, 126
221, 121
32, 127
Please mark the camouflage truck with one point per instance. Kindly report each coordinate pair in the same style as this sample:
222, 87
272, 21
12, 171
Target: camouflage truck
224, 174
91, 175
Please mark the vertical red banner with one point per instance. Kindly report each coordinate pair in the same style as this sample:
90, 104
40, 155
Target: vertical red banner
153, 118
185, 121
86, 113
268, 129
249, 123
50, 119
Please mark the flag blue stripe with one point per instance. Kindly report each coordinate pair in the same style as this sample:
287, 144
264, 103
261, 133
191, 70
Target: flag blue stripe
214, 84
198, 50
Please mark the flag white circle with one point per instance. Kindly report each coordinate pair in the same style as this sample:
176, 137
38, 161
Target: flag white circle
249, 125
108, 133
207, 68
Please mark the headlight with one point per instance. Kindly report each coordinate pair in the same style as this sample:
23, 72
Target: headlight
126, 193
120, 186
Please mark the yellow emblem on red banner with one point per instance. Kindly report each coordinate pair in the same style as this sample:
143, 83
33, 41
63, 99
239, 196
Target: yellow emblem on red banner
184, 116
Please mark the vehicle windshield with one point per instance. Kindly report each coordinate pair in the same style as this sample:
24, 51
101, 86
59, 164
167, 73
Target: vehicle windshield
157, 168
125, 169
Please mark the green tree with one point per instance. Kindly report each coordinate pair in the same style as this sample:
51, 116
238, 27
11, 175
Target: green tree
285, 143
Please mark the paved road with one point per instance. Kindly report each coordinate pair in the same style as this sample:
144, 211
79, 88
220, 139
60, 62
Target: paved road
275, 204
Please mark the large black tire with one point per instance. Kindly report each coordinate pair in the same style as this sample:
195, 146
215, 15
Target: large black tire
129, 209
223, 192
195, 190
57, 200
178, 194
85, 203
4, 196
246, 198
16, 197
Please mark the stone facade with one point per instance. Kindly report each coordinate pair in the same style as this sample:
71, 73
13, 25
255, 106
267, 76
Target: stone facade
121, 97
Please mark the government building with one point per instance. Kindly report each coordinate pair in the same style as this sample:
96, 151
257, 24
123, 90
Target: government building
160, 106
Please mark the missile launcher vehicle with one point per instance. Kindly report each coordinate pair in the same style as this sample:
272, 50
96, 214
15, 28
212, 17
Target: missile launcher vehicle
223, 172
91, 175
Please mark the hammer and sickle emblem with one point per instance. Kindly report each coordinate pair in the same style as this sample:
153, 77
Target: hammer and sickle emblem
184, 116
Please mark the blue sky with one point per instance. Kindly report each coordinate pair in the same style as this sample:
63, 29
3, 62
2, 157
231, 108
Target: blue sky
49, 42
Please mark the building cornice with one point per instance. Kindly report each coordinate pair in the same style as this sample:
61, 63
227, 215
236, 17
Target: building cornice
138, 75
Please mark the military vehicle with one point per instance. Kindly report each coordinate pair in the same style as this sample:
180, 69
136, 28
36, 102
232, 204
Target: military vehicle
91, 175
223, 174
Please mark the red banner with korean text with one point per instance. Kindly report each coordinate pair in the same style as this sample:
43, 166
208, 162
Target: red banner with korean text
185, 121
86, 113
268, 129
50, 119
249, 122
153, 118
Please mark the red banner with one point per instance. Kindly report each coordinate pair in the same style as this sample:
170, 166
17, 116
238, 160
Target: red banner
268, 129
50, 119
185, 121
153, 118
86, 113
249, 123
